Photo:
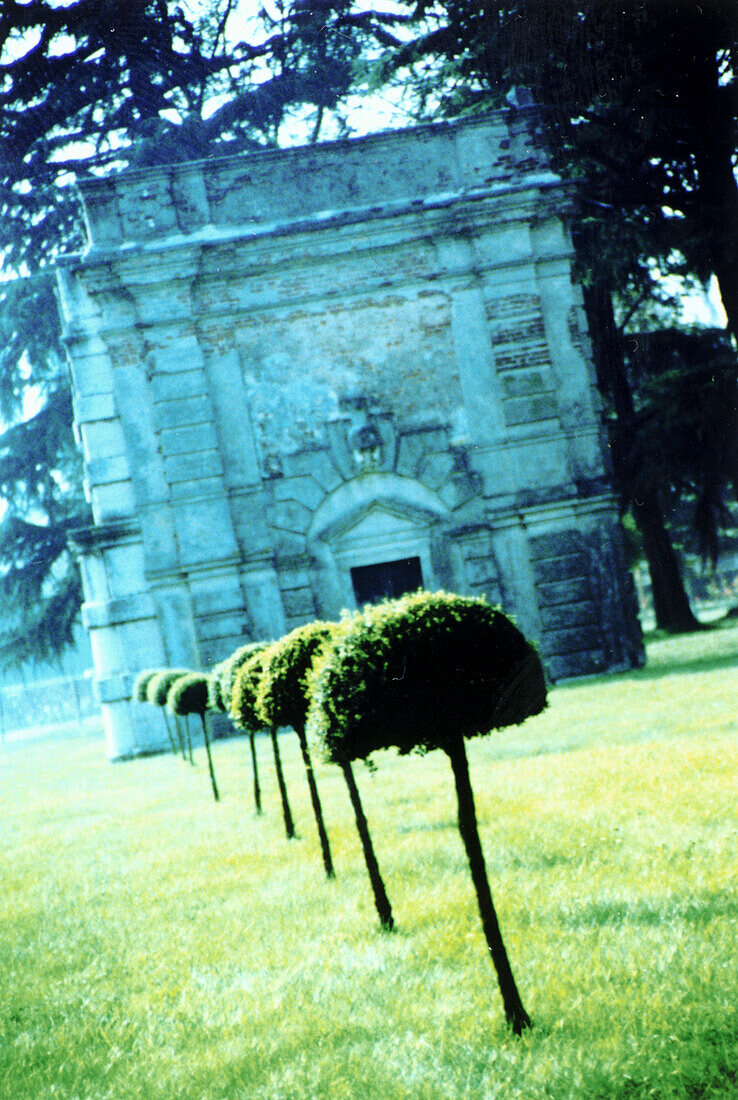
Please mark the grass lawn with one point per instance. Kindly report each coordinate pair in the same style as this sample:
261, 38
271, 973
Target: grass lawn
154, 944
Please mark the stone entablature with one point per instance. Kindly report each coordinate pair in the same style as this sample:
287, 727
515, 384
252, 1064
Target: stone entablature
299, 363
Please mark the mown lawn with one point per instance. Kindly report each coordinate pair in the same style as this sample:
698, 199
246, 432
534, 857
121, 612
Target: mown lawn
156, 945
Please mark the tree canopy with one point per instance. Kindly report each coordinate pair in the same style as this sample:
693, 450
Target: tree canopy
88, 87
637, 107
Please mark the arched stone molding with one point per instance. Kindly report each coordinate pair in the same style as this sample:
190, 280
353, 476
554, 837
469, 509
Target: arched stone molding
368, 520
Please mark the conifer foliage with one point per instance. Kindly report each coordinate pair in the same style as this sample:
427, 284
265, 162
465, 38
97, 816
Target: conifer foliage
88, 87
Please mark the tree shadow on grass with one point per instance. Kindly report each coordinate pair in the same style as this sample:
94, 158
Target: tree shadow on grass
678, 667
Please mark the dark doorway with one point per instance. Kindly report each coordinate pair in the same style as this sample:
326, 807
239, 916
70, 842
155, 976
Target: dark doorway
386, 580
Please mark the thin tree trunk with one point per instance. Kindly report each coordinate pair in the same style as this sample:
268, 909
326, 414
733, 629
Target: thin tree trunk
255, 772
213, 784
381, 900
515, 1014
289, 825
170, 736
317, 808
189, 740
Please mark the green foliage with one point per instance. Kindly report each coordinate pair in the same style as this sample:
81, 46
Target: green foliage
188, 694
684, 433
228, 670
140, 690
40, 480
242, 708
89, 87
282, 696
616, 859
215, 695
417, 672
159, 685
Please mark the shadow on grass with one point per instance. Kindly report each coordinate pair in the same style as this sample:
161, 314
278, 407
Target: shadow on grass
614, 913
678, 667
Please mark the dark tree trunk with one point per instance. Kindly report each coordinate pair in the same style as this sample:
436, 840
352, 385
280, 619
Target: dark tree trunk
670, 600
515, 1014
188, 738
255, 772
169, 735
213, 784
671, 603
317, 808
289, 825
381, 900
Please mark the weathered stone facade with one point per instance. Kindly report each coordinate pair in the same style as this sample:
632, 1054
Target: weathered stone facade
305, 375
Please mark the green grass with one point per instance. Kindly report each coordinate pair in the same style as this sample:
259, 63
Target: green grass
154, 944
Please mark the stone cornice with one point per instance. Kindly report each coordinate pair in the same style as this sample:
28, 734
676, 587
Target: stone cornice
286, 185
333, 233
97, 537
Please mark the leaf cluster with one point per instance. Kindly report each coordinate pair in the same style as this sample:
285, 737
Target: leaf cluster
139, 693
158, 686
188, 694
243, 709
416, 672
684, 433
224, 676
282, 694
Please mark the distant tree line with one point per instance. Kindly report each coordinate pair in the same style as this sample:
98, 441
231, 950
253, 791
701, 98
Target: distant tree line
636, 105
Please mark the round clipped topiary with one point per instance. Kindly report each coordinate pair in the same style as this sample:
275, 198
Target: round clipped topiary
141, 683
187, 695
215, 695
230, 667
157, 690
244, 713
282, 692
423, 672
139, 694
219, 694
282, 700
159, 684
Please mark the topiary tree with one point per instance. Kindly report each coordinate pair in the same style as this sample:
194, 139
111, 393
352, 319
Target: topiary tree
228, 670
379, 892
221, 687
282, 700
139, 695
157, 690
425, 672
189, 695
244, 714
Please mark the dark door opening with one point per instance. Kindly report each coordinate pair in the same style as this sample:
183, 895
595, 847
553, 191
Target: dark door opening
386, 580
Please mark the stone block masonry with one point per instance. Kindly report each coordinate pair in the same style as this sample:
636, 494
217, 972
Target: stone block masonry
308, 377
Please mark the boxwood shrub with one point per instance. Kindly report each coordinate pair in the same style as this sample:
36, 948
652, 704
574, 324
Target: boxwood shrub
282, 700
244, 714
415, 672
228, 670
425, 672
187, 695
